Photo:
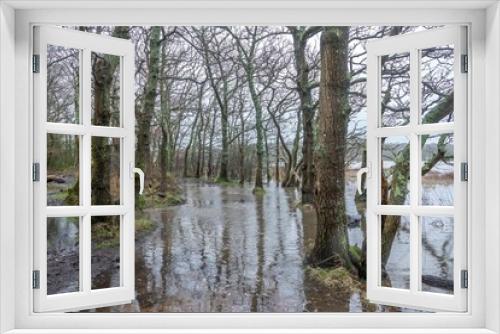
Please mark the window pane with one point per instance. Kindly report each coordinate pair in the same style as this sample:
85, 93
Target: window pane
105, 171
395, 252
395, 183
63, 255
437, 169
437, 84
63, 84
105, 233
437, 254
395, 94
105, 89
63, 169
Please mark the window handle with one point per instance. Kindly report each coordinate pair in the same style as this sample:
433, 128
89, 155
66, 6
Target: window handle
133, 171
359, 178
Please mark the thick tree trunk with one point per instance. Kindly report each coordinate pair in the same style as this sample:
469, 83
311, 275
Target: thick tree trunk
103, 71
331, 247
143, 152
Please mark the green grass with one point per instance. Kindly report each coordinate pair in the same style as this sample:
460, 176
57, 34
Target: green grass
154, 201
341, 281
60, 195
334, 278
227, 182
143, 224
258, 191
355, 253
107, 235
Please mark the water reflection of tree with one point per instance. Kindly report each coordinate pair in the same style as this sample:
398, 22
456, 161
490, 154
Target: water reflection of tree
198, 93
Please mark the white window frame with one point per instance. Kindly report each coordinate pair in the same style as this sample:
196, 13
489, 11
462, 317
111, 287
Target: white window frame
86, 297
16, 20
412, 44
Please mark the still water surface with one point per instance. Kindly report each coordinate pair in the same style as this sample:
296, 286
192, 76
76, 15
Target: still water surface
227, 250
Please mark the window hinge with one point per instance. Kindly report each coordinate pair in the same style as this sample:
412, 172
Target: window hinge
464, 171
465, 63
36, 63
36, 279
464, 284
36, 172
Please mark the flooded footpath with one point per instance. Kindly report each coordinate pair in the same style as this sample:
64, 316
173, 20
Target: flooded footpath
228, 250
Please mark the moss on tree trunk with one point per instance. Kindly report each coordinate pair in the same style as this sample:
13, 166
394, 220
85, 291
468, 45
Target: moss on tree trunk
331, 247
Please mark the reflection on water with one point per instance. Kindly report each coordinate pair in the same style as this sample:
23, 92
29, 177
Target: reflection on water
227, 250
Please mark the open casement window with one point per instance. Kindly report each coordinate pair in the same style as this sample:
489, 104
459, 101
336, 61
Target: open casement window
83, 169
417, 102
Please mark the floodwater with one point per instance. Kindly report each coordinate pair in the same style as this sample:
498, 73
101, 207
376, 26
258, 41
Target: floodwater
227, 250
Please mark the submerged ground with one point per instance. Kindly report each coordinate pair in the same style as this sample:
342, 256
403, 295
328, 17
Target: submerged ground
227, 250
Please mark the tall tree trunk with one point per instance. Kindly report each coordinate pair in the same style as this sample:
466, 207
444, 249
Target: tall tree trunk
266, 146
143, 152
331, 246
290, 179
242, 150
221, 94
204, 146
103, 71
163, 160
224, 158
164, 155
188, 147
279, 138
300, 36
258, 125
210, 163
277, 158
200, 147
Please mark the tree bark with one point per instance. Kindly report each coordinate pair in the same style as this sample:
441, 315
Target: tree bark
396, 191
291, 180
331, 247
242, 149
300, 36
103, 71
266, 146
200, 147
258, 125
164, 155
191, 138
143, 152
210, 162
277, 158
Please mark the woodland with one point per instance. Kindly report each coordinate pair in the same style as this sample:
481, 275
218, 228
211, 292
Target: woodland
257, 107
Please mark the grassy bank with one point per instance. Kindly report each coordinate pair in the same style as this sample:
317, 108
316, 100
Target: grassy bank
340, 283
